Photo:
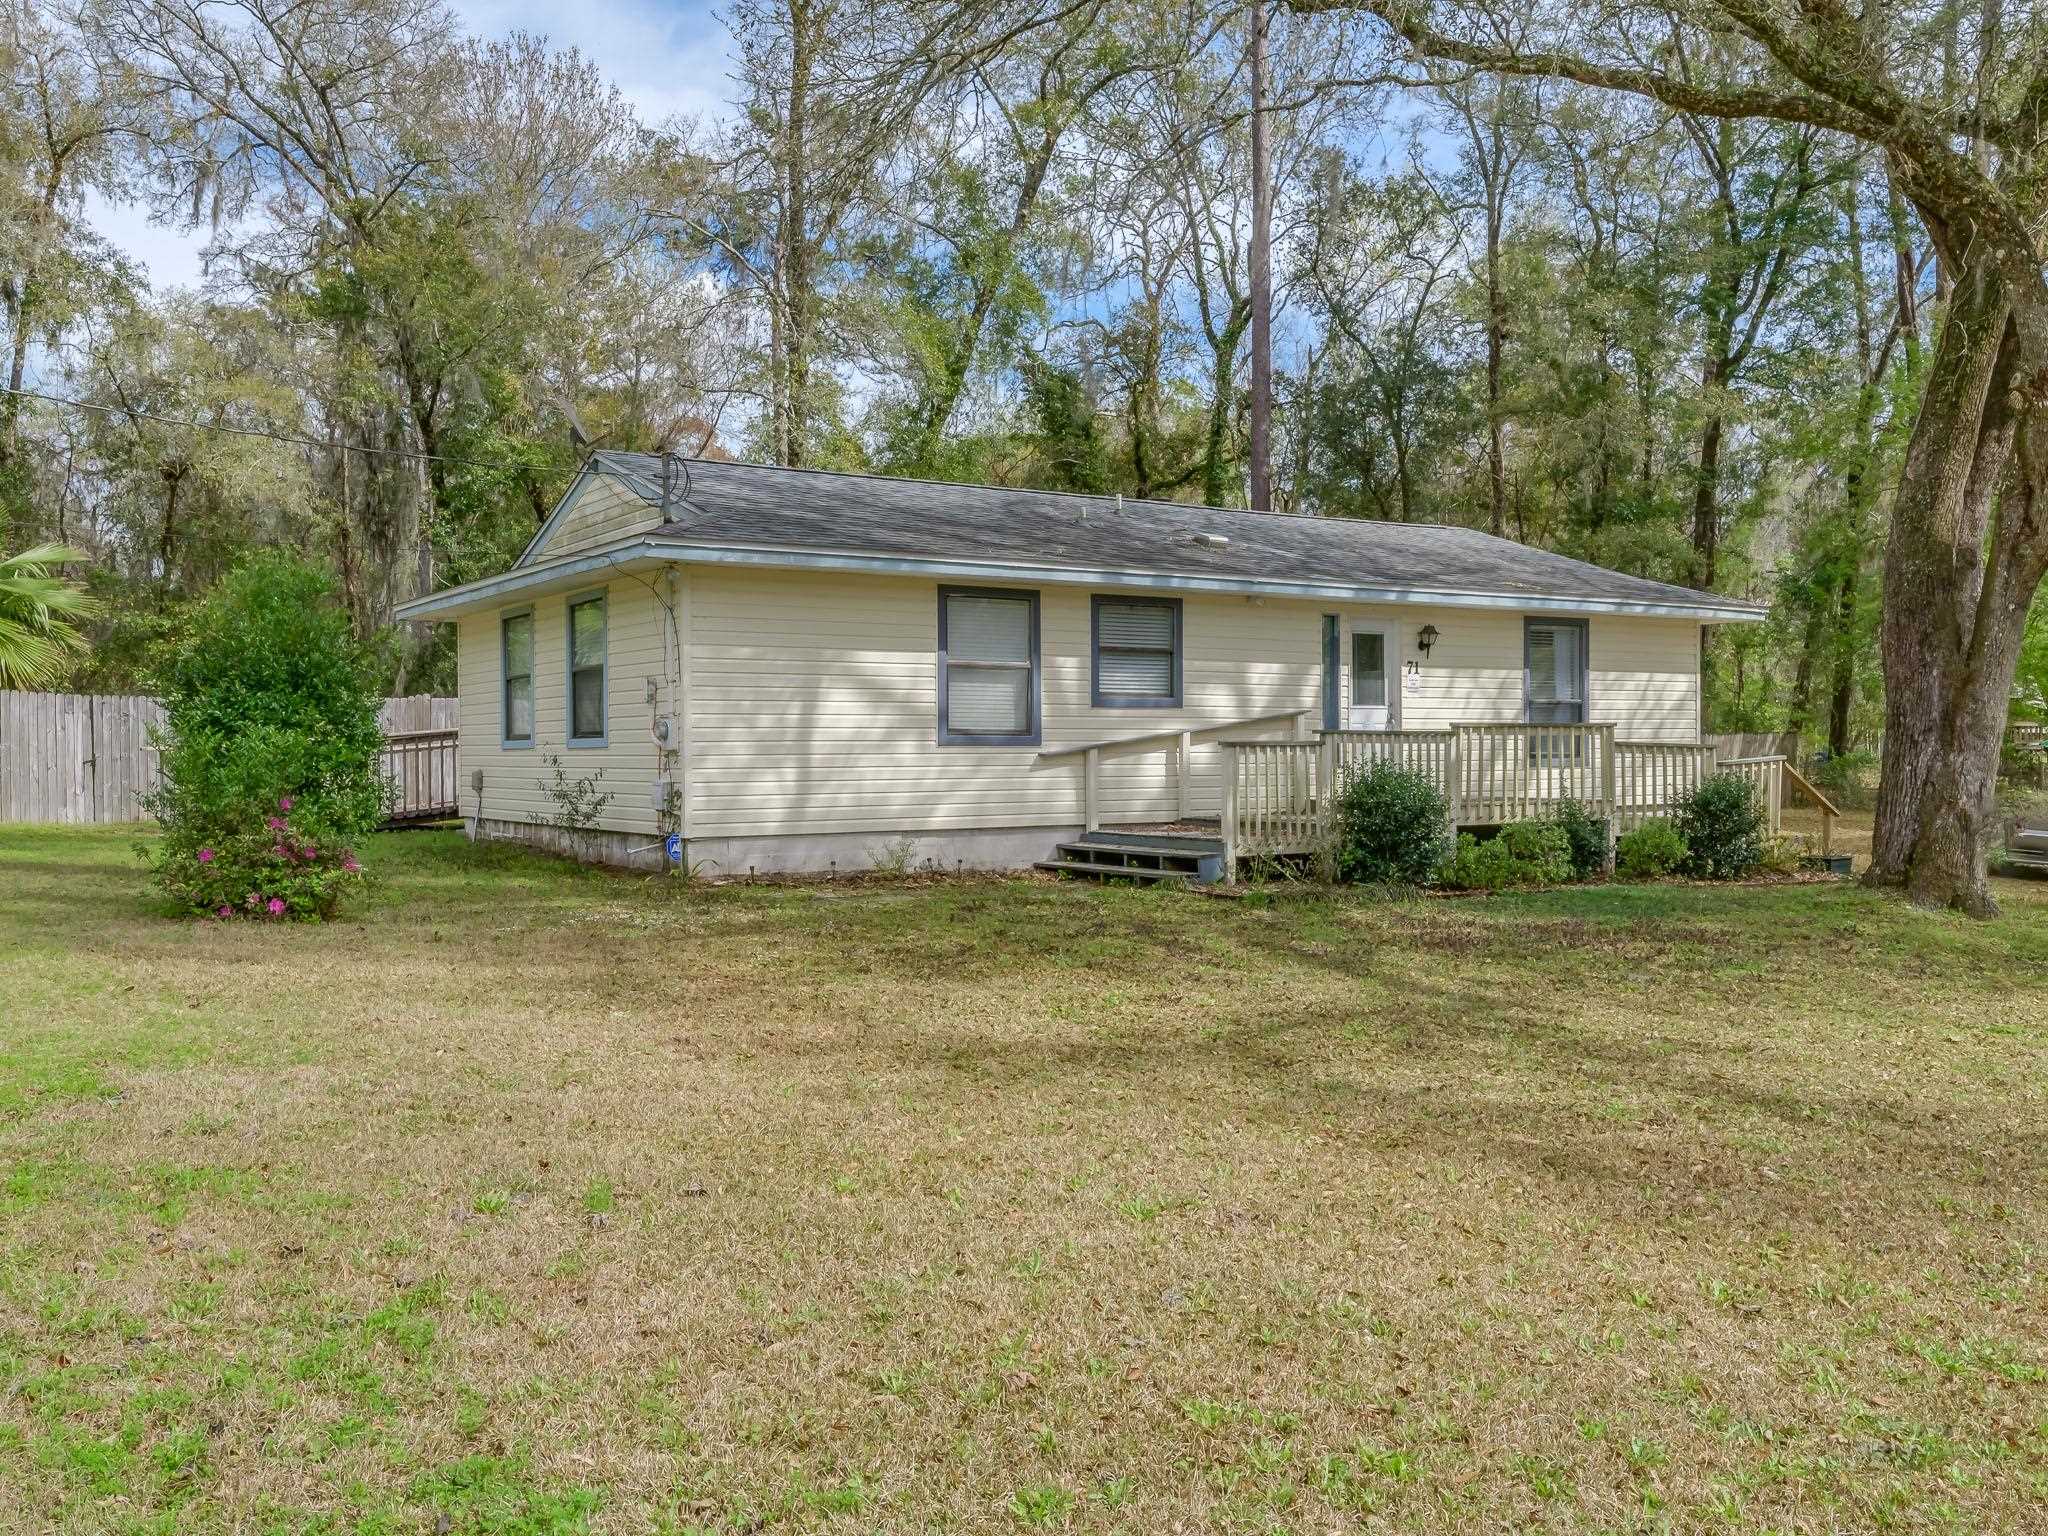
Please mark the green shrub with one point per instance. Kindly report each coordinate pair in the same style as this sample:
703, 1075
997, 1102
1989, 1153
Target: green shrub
1723, 828
1783, 856
2022, 764
1849, 779
1392, 827
1587, 835
1525, 853
1651, 849
269, 748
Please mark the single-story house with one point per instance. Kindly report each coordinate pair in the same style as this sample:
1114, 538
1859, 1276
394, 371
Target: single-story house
777, 670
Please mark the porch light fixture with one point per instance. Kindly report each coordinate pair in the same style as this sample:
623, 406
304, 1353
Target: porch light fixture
1425, 641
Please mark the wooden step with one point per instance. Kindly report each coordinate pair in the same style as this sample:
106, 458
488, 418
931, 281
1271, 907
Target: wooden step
1198, 858
1094, 871
1134, 858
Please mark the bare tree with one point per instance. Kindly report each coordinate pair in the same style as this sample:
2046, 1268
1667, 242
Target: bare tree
1259, 413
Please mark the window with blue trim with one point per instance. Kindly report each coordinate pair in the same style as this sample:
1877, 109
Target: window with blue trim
586, 669
1555, 660
988, 667
515, 654
1554, 688
1137, 652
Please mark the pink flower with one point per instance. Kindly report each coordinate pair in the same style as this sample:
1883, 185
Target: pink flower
251, 901
351, 865
225, 911
276, 823
277, 851
206, 855
285, 804
276, 905
308, 851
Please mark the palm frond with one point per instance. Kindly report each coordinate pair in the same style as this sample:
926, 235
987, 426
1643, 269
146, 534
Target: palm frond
37, 610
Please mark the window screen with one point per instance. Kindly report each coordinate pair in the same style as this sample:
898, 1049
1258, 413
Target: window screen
1137, 652
517, 640
989, 666
1368, 669
586, 670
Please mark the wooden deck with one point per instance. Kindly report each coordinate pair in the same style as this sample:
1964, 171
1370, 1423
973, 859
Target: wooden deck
1279, 796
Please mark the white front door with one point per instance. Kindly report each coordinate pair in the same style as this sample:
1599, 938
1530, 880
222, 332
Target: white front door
1370, 705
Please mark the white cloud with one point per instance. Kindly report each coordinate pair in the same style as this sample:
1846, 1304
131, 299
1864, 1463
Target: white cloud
670, 57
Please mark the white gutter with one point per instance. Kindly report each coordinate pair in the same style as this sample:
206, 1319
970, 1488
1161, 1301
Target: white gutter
644, 548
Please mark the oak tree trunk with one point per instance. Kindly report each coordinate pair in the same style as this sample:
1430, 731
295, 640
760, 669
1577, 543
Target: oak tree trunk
1967, 552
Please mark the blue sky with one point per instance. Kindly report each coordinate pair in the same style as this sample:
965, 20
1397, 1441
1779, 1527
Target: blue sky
668, 56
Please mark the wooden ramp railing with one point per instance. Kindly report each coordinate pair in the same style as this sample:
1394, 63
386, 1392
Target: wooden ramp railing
1792, 781
419, 768
1279, 797
1178, 743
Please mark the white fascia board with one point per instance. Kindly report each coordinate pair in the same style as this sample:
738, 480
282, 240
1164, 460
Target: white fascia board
762, 557
523, 579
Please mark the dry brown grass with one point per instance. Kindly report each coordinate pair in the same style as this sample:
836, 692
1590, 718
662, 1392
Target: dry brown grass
532, 1199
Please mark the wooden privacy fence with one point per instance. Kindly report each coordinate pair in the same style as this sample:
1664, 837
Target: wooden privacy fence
75, 757
78, 758
1279, 797
1736, 745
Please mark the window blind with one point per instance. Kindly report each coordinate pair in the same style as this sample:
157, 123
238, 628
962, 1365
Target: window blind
1134, 651
988, 665
1557, 674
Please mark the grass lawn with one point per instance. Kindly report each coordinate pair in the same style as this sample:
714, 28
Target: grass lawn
530, 1200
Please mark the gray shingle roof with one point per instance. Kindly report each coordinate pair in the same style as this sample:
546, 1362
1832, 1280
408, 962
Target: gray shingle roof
761, 507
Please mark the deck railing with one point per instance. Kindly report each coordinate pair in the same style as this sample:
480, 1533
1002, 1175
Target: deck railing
1279, 797
1652, 777
419, 769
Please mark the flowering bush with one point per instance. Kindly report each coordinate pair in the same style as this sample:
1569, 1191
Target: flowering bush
269, 755
275, 868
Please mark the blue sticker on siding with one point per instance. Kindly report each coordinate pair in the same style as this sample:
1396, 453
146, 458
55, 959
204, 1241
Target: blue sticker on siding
673, 845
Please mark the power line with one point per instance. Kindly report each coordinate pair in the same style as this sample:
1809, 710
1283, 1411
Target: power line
277, 437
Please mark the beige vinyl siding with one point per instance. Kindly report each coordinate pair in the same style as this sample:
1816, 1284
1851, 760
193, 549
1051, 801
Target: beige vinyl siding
513, 776
1642, 674
812, 701
598, 512
813, 707
1473, 673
